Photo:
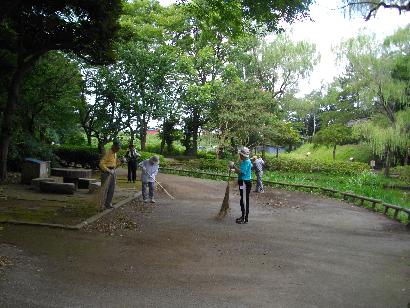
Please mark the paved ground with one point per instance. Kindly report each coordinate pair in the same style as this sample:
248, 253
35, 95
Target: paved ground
298, 250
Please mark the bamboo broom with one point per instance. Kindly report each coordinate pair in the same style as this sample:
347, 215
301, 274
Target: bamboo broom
101, 194
225, 203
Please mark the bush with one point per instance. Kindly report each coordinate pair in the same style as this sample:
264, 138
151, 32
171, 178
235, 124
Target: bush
30, 148
88, 157
71, 155
403, 172
312, 166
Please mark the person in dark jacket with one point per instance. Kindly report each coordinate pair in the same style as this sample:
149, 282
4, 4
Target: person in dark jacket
132, 157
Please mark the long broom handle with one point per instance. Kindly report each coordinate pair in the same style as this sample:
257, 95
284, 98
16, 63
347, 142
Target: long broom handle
171, 196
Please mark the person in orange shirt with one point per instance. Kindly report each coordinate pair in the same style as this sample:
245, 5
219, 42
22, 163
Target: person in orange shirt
108, 165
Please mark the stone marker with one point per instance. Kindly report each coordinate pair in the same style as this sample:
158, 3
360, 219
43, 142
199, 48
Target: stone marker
57, 188
34, 168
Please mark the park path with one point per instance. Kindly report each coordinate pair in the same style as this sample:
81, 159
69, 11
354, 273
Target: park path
298, 250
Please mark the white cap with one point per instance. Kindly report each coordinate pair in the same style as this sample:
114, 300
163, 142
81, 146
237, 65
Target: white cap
244, 151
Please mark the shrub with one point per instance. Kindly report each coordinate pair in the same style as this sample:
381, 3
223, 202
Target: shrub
403, 172
88, 157
30, 148
312, 165
71, 155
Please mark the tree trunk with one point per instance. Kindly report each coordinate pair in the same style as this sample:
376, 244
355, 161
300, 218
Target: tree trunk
6, 126
101, 147
387, 163
143, 135
161, 151
89, 139
334, 152
277, 152
263, 151
12, 100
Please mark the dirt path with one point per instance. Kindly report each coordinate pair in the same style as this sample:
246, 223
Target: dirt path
298, 250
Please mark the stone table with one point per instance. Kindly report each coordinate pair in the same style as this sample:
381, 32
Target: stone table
71, 175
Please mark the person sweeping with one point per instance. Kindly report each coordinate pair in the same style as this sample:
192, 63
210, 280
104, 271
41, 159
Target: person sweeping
149, 171
257, 166
244, 182
108, 165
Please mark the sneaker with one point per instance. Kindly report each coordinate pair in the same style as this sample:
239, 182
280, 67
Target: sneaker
145, 200
153, 200
238, 219
241, 221
109, 206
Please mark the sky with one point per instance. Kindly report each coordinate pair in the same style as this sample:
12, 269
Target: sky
329, 28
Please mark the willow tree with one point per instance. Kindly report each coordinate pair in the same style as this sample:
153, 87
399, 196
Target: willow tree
385, 138
371, 65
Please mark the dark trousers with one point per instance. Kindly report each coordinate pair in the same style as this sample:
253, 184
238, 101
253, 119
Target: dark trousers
132, 170
247, 186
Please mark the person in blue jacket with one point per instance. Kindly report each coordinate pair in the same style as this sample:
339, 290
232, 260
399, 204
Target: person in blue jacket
244, 182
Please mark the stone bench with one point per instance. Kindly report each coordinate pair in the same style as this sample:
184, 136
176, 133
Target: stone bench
35, 183
57, 188
84, 183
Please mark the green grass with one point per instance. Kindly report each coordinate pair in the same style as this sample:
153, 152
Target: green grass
360, 152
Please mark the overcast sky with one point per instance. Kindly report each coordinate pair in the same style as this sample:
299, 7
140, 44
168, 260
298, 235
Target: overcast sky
329, 27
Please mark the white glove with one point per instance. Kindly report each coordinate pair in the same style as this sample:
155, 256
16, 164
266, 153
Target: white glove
231, 164
111, 171
123, 160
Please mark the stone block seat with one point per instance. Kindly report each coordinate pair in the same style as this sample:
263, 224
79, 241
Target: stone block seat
35, 183
94, 187
58, 188
84, 183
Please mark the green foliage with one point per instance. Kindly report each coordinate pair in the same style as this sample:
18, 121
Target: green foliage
28, 147
288, 164
360, 152
403, 172
88, 157
84, 156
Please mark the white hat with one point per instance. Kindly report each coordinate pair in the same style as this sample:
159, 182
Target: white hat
244, 152
154, 159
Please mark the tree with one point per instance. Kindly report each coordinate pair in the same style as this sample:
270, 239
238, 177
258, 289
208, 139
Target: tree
29, 29
333, 135
386, 138
280, 65
240, 111
369, 9
373, 71
50, 95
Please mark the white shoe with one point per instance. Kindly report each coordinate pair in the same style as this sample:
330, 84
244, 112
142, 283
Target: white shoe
153, 200
145, 200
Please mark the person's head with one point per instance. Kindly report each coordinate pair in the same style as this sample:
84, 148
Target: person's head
254, 158
243, 153
132, 146
116, 146
154, 160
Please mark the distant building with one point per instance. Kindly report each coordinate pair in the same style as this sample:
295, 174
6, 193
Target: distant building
152, 131
270, 149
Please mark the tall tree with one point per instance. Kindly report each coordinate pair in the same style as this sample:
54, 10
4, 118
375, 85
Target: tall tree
29, 29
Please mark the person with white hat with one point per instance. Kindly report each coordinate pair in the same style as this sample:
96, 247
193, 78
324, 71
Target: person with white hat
244, 182
258, 165
149, 171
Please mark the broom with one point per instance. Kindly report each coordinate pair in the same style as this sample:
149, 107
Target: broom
169, 195
225, 203
101, 193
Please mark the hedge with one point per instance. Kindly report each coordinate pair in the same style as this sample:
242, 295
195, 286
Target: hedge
88, 157
286, 164
315, 166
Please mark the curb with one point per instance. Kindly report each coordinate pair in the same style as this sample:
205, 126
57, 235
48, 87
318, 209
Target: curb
77, 226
